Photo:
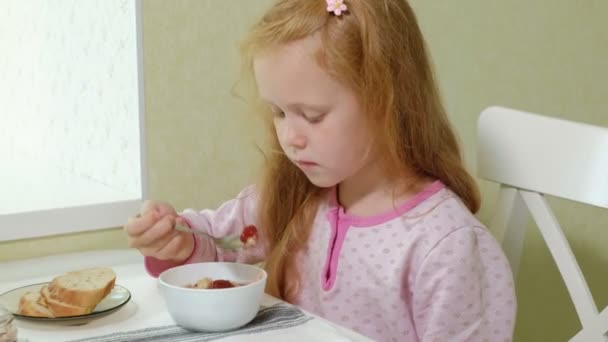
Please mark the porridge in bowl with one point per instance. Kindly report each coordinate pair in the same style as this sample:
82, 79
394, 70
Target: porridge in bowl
208, 284
213, 296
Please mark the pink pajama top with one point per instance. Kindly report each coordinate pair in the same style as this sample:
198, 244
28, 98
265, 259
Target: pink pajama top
426, 271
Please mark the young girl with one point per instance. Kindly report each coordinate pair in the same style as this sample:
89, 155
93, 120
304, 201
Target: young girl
364, 213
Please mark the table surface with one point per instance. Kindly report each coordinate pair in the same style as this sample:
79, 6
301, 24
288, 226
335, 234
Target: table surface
145, 309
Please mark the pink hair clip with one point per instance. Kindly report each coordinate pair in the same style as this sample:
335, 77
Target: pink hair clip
336, 6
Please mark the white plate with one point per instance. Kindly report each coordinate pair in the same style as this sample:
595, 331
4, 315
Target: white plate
118, 297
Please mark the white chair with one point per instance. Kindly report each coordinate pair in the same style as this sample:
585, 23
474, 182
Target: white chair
531, 155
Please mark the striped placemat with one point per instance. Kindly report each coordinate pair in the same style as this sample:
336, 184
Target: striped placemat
278, 316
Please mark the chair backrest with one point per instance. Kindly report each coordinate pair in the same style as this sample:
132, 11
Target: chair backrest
552, 156
530, 155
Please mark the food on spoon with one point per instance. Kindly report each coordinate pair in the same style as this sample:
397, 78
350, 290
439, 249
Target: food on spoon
208, 284
71, 294
249, 236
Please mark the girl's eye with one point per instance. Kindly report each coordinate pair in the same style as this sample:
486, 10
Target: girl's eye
315, 119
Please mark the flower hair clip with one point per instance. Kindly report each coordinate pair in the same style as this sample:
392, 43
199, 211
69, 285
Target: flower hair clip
337, 7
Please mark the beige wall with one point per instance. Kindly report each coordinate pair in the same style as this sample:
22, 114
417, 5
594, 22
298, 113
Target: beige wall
543, 56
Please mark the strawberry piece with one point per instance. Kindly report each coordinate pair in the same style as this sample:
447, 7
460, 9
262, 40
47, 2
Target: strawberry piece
221, 284
249, 235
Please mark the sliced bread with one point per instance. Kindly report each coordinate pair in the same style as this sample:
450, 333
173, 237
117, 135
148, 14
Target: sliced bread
61, 309
29, 305
84, 288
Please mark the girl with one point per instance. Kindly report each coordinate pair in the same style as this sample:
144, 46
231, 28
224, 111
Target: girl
364, 212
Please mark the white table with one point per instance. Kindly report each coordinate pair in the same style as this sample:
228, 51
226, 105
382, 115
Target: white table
145, 309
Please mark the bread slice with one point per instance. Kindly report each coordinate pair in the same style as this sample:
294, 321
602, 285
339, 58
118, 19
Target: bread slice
61, 309
29, 305
72, 294
84, 288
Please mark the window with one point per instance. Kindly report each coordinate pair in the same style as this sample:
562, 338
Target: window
71, 116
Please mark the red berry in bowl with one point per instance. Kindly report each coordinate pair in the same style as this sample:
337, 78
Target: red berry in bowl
221, 284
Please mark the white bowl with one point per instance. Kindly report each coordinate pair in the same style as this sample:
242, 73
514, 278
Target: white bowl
213, 309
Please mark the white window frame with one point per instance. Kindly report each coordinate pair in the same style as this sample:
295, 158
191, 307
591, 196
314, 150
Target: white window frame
84, 218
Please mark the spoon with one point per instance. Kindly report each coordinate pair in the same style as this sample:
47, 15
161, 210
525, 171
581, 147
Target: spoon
230, 242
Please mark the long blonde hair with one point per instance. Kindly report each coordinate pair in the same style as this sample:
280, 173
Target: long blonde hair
378, 51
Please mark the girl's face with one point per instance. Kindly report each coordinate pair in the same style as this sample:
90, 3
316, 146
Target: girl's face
318, 121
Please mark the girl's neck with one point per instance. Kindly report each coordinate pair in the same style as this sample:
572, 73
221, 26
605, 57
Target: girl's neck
371, 191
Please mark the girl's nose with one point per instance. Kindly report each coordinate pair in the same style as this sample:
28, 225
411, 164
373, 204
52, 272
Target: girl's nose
294, 137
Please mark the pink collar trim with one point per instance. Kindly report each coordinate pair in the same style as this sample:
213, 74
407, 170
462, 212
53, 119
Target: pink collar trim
368, 221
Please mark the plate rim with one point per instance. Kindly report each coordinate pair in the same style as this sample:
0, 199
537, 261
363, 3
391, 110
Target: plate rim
67, 318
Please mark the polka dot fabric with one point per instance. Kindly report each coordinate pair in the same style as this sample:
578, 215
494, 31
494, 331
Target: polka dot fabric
427, 271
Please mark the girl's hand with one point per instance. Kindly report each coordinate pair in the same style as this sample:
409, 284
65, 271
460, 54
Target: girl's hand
152, 233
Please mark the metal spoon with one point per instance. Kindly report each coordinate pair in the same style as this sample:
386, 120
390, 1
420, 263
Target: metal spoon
231, 242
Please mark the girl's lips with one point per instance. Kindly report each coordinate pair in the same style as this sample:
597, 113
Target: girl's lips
305, 163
